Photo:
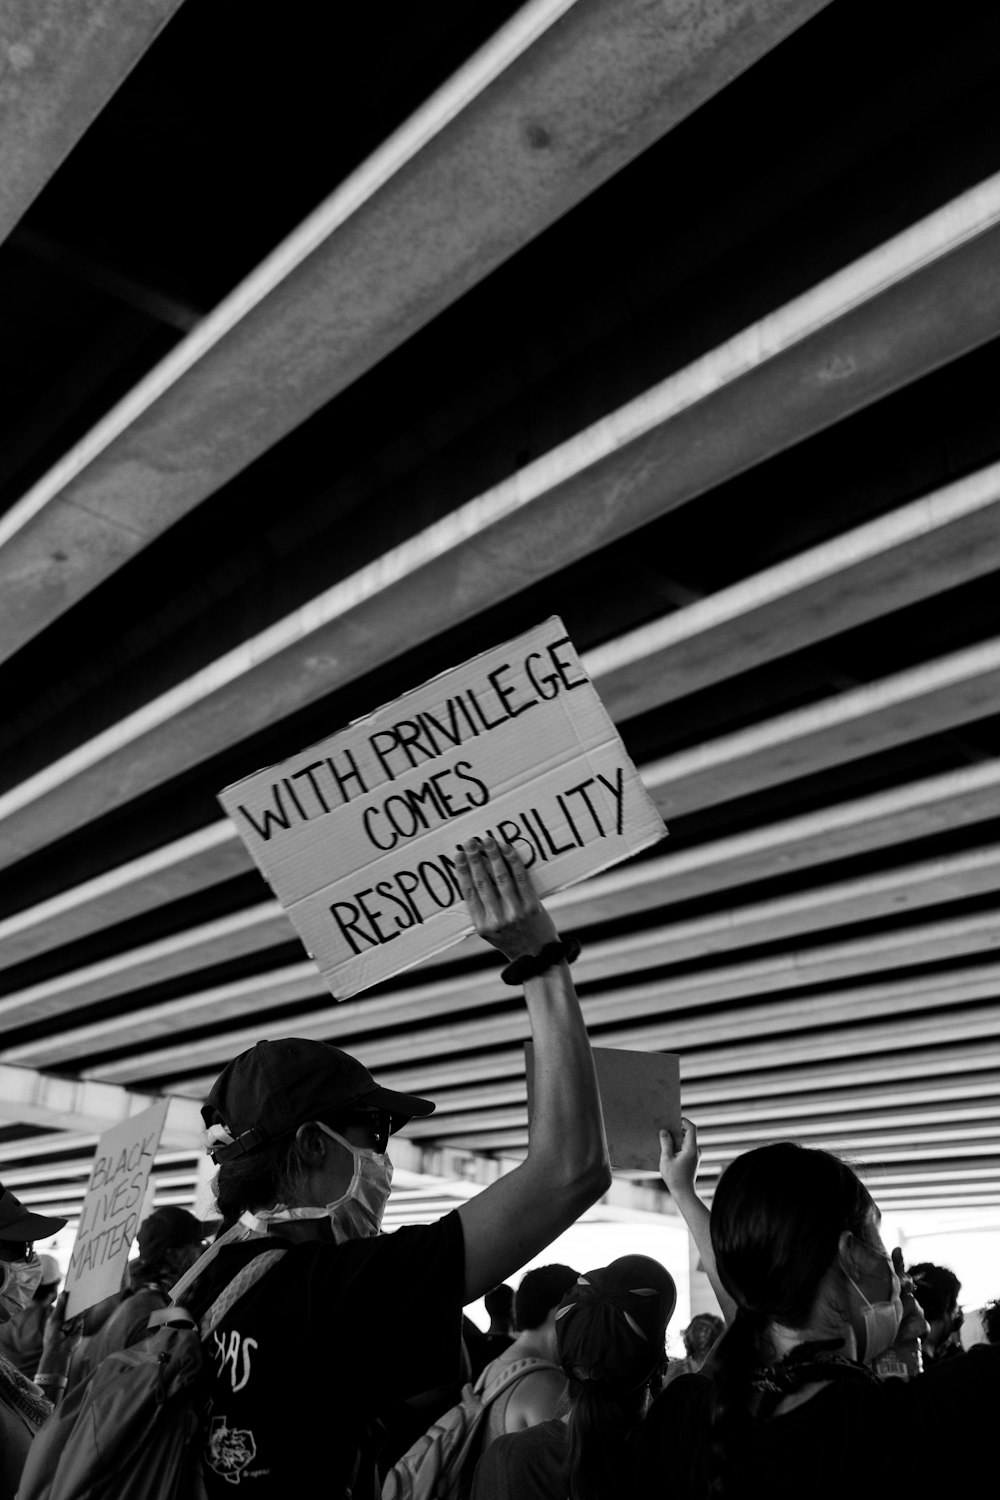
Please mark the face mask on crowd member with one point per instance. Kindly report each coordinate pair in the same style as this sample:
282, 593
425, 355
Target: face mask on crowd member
18, 1283
20, 1267
266, 1116
880, 1320
357, 1213
797, 1245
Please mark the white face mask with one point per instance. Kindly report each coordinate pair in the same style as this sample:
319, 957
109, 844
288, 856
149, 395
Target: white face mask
17, 1286
881, 1319
357, 1215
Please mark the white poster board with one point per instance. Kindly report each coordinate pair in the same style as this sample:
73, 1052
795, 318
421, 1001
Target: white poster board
640, 1096
112, 1208
357, 835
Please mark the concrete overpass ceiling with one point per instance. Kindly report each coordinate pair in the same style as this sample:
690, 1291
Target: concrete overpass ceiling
709, 372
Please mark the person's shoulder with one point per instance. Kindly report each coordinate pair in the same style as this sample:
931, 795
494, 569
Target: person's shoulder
521, 1450
536, 1396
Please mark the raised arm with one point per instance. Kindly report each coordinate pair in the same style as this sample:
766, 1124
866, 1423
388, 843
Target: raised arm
566, 1169
679, 1170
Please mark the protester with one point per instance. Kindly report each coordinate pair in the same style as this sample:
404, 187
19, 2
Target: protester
22, 1408
299, 1367
499, 1305
610, 1333
22, 1336
989, 1316
538, 1393
936, 1289
170, 1241
794, 1403
699, 1337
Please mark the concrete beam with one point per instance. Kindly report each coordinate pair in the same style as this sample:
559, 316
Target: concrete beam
67, 1172
930, 883
79, 1105
942, 540
758, 1102
925, 700
551, 107
847, 342
714, 1129
979, 933
910, 1041
37, 1147
180, 868
213, 854
63, 60
482, 1084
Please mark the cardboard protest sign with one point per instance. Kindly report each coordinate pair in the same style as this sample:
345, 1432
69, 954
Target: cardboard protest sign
640, 1095
112, 1208
357, 834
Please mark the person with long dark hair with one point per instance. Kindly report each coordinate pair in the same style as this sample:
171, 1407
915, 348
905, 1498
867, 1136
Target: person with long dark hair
795, 1403
610, 1340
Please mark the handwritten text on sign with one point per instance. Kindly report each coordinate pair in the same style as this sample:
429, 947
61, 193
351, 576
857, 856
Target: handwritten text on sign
110, 1214
357, 835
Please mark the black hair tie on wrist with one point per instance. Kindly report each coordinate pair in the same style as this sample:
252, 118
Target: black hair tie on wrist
531, 964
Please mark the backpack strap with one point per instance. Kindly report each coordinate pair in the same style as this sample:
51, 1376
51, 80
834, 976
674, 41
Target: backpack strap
240, 1284
177, 1316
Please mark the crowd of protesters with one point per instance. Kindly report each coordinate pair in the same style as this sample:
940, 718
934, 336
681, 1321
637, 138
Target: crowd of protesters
333, 1346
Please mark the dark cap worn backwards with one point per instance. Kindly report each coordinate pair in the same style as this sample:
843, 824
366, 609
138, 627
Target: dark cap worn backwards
611, 1325
273, 1088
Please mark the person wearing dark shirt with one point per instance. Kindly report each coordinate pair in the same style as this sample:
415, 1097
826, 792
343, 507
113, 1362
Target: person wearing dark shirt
610, 1332
299, 1367
794, 1403
936, 1288
170, 1240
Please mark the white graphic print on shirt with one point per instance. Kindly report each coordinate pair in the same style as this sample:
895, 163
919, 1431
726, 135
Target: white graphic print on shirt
233, 1351
229, 1450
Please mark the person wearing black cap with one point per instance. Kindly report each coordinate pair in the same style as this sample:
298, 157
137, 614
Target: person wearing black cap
611, 1331
299, 1368
170, 1242
20, 1267
22, 1409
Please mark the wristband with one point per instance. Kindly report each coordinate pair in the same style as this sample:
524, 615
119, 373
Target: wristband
532, 964
59, 1381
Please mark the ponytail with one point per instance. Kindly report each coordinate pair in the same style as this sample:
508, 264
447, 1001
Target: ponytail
734, 1360
600, 1443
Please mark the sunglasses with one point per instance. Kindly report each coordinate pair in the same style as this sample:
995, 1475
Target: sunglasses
377, 1121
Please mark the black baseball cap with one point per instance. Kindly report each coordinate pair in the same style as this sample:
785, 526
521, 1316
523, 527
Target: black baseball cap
611, 1325
168, 1228
19, 1224
270, 1090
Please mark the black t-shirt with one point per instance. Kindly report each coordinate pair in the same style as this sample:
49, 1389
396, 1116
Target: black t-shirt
901, 1435
526, 1465
298, 1369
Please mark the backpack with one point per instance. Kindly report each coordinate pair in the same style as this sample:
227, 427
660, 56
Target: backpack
439, 1465
133, 1430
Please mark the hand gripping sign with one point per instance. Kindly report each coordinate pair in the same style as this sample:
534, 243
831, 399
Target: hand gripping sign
357, 835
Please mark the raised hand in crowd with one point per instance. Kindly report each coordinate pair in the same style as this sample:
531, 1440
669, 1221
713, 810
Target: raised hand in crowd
679, 1170
566, 1169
